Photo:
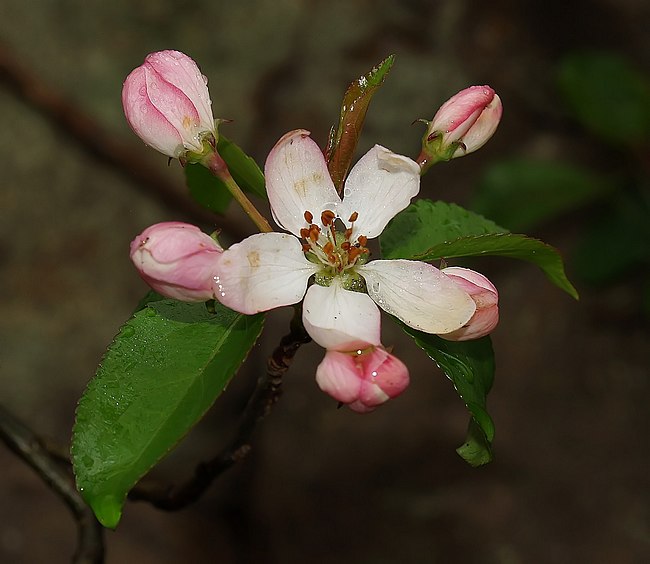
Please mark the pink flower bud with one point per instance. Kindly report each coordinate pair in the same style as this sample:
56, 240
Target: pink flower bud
486, 298
177, 260
167, 104
463, 124
362, 380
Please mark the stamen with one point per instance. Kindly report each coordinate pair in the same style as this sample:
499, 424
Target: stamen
348, 233
327, 217
346, 245
304, 233
353, 253
314, 232
328, 248
306, 247
309, 217
363, 240
353, 217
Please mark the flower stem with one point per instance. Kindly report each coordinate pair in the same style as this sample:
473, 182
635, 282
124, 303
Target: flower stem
217, 166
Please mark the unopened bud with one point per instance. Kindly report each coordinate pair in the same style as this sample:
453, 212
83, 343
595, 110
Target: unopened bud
177, 260
463, 124
486, 298
362, 379
167, 104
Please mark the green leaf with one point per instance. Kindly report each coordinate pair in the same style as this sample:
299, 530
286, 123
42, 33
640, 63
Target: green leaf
160, 375
356, 100
211, 192
608, 95
206, 189
431, 231
470, 366
243, 168
425, 224
521, 194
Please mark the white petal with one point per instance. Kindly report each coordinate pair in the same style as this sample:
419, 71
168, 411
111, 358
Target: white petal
338, 319
297, 180
418, 294
379, 186
262, 272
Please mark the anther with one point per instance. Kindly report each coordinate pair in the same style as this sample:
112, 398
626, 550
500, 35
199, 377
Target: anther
327, 217
353, 217
363, 240
314, 232
328, 248
346, 245
304, 233
306, 247
309, 218
348, 233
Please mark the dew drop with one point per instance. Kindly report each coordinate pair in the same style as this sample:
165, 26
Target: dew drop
142, 91
128, 332
376, 286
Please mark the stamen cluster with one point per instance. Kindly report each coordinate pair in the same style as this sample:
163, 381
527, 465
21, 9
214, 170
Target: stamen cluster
334, 249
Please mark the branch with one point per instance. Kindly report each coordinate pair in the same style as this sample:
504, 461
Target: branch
24, 443
267, 392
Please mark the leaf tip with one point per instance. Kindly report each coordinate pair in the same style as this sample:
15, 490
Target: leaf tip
107, 509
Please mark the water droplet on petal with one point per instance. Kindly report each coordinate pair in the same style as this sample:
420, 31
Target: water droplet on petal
142, 91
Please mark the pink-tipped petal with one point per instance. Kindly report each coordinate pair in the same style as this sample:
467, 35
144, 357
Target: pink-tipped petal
167, 104
264, 271
458, 114
486, 298
418, 294
483, 129
145, 119
180, 70
339, 319
297, 180
379, 186
338, 376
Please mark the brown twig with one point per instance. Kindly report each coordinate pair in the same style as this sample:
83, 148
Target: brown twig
124, 157
23, 442
266, 394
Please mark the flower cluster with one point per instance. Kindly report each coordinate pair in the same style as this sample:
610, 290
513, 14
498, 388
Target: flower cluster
322, 258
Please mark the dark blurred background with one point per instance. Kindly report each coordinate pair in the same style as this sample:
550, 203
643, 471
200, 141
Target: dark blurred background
569, 164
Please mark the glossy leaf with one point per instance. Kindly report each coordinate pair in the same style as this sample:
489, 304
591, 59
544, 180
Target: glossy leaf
342, 144
521, 194
206, 189
608, 95
431, 231
470, 367
162, 372
243, 168
210, 191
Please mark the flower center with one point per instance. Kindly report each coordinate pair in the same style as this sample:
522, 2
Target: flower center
335, 250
